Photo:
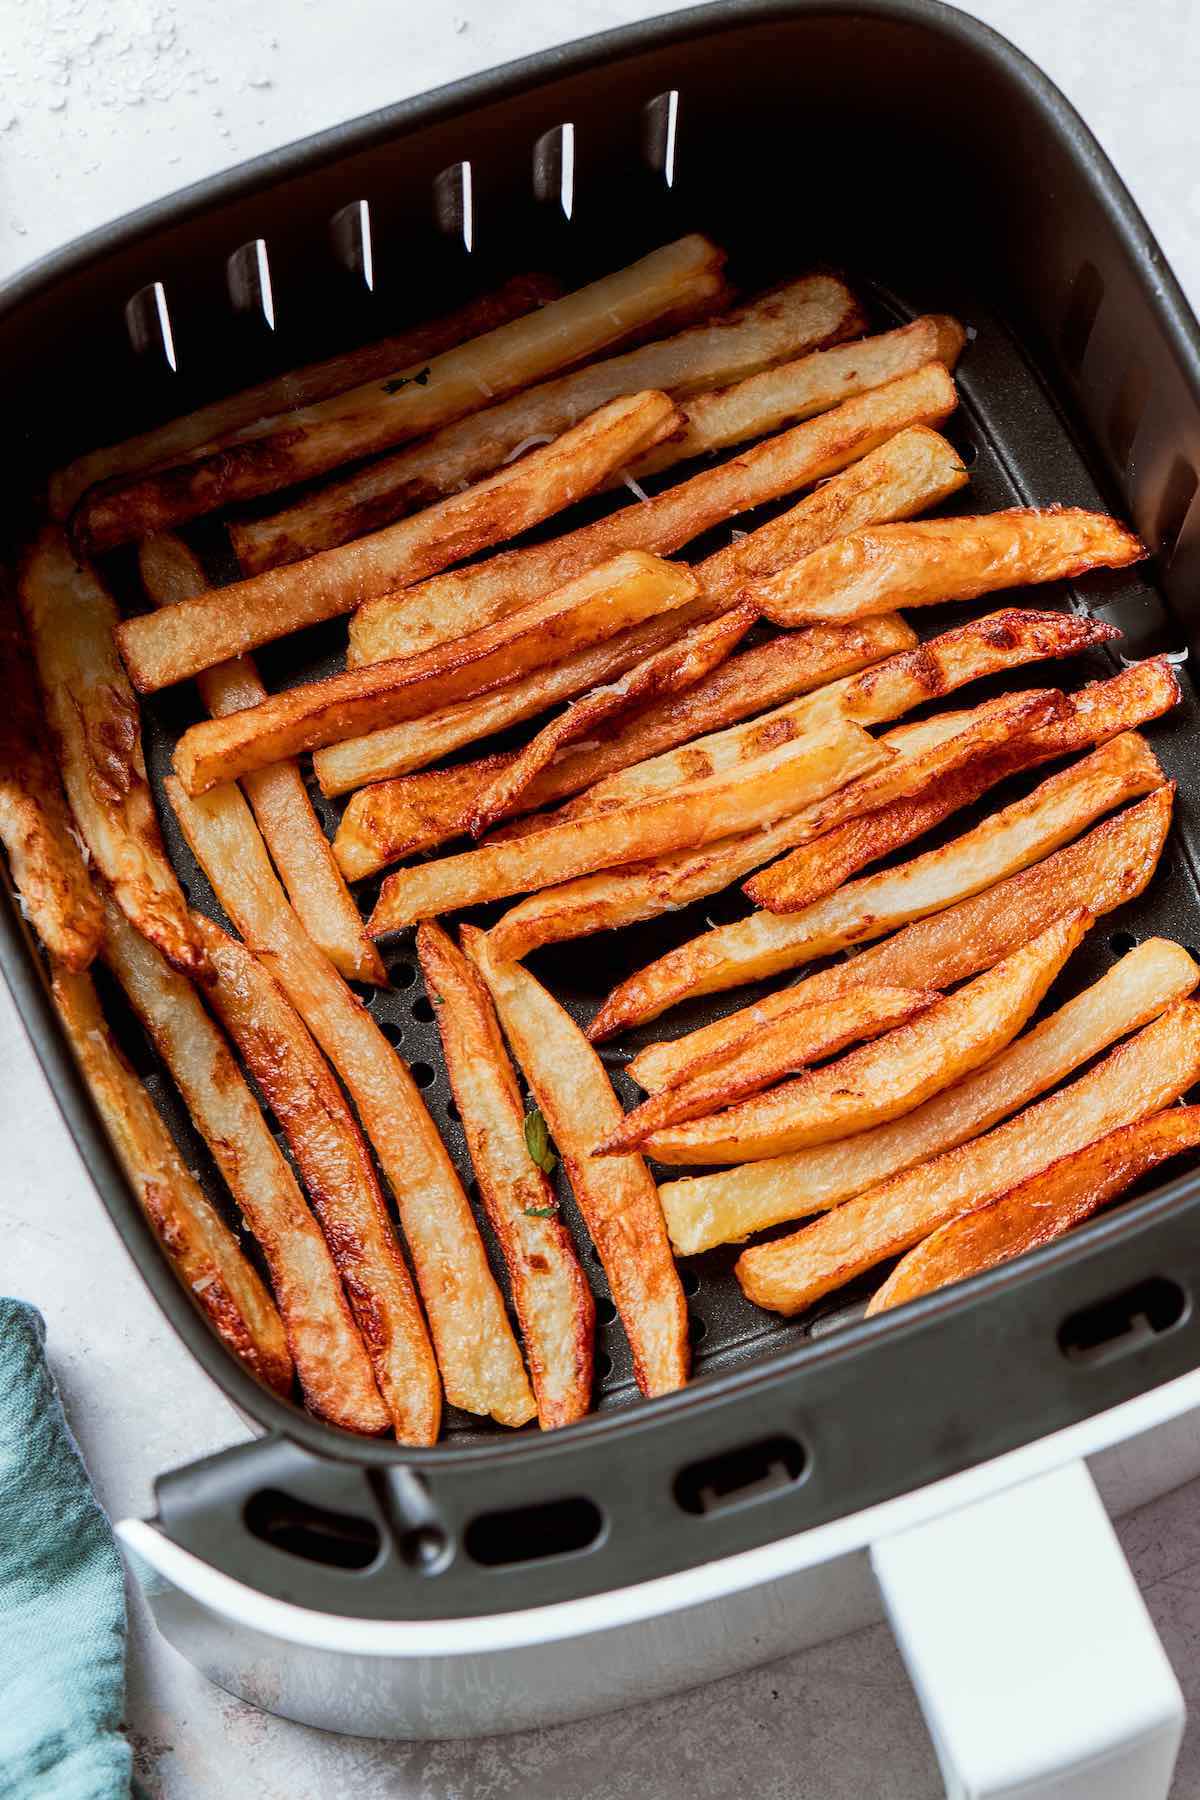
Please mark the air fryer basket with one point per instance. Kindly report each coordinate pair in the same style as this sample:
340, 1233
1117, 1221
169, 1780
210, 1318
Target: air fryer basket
916, 150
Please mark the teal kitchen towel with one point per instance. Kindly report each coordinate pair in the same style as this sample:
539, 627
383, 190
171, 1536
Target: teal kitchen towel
62, 1600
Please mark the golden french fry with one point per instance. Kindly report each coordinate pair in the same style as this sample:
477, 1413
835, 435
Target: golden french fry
550, 1292
923, 562
798, 772
477, 1353
327, 1351
293, 833
766, 943
196, 1241
888, 1078
1134, 1080
1039, 1209
729, 1204
440, 610
92, 720
617, 1197
163, 647
817, 309
365, 419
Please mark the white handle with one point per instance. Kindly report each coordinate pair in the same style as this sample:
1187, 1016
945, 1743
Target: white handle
1033, 1656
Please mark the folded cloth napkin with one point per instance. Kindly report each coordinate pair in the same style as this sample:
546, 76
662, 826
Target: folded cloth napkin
62, 1600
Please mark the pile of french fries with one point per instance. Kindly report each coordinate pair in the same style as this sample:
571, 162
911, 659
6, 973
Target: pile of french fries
689, 723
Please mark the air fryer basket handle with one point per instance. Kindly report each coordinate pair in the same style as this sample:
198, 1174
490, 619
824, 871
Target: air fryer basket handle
1035, 1661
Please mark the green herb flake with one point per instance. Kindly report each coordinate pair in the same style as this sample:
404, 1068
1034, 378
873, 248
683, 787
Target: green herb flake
539, 1212
402, 381
437, 999
537, 1142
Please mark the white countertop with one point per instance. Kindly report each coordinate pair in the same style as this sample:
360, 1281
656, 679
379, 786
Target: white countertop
103, 107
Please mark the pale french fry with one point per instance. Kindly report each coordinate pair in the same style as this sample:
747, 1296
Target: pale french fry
372, 417
200, 1247
788, 1045
301, 852
1039, 1209
910, 472
799, 772
251, 409
616, 1197
923, 562
327, 1351
92, 721
439, 610
477, 1353
163, 647
1133, 1081
730, 1204
766, 944
550, 1292
890, 1077
44, 851
818, 309
300, 1088
593, 609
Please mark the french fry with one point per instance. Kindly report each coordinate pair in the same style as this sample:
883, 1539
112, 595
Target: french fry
163, 647
294, 835
789, 1044
922, 562
476, 1351
818, 309
250, 410
439, 610
327, 1351
729, 1204
1134, 1080
363, 420
1007, 841
1039, 1209
805, 770
550, 1292
596, 607
92, 720
890, 1077
44, 850
1097, 713
333, 1159
617, 1197
200, 1247
910, 472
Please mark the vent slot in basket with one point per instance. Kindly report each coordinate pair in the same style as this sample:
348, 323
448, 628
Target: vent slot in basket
300, 1528
526, 1534
1123, 1322
750, 1472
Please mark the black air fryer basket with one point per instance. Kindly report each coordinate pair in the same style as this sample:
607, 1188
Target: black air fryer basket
914, 149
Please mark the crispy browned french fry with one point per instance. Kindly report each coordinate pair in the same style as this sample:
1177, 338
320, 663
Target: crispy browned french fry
1133, 1081
818, 309
910, 472
550, 1292
1098, 712
300, 1088
766, 944
798, 772
480, 1363
198, 1244
788, 1045
617, 1197
249, 410
45, 853
439, 610
327, 1351
294, 834
594, 608
923, 562
163, 647
1039, 1209
729, 1204
887, 1078
362, 420
92, 720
